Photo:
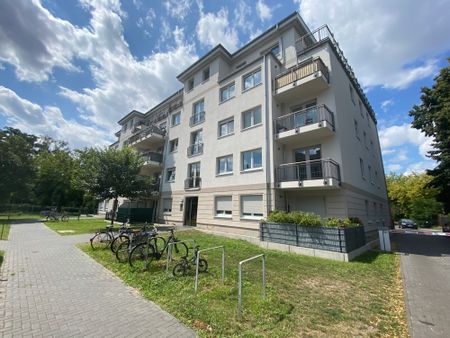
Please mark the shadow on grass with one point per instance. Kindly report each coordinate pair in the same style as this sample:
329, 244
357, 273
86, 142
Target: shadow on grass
21, 220
370, 256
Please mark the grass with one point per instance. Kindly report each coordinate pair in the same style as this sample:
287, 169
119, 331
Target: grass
76, 227
4, 231
18, 217
306, 296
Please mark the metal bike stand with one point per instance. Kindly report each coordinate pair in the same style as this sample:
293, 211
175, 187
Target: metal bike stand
240, 280
198, 259
169, 250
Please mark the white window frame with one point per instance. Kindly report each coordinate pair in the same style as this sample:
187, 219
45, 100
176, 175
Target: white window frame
252, 164
171, 177
167, 210
250, 216
175, 140
227, 123
223, 213
178, 114
251, 74
252, 112
227, 170
227, 88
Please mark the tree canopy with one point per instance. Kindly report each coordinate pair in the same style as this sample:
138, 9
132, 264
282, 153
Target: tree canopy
432, 116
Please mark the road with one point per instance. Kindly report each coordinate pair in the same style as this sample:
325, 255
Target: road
425, 261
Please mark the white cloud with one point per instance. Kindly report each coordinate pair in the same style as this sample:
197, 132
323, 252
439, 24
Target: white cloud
404, 134
264, 11
419, 167
49, 120
388, 43
393, 167
178, 9
214, 28
386, 104
148, 20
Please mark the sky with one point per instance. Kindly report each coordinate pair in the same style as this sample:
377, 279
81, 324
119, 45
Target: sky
71, 69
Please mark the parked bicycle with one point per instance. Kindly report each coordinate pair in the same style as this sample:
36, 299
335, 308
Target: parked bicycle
102, 238
53, 215
144, 253
185, 265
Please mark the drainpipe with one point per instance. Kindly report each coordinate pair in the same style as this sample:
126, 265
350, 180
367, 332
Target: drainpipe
267, 136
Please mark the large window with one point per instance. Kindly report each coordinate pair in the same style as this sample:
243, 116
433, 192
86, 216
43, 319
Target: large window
226, 127
251, 117
223, 206
252, 207
252, 79
252, 159
173, 145
227, 92
205, 74
167, 205
198, 112
196, 147
225, 164
190, 85
194, 169
170, 175
176, 119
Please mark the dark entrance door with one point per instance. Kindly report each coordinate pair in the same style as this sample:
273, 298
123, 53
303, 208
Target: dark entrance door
190, 214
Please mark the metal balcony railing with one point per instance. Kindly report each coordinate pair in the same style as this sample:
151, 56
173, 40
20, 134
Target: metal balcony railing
153, 157
310, 40
308, 170
301, 71
193, 183
197, 118
195, 149
144, 133
304, 117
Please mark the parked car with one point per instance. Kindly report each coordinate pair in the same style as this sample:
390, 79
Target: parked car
407, 223
446, 227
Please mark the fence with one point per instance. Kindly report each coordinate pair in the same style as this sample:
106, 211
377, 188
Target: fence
36, 209
322, 238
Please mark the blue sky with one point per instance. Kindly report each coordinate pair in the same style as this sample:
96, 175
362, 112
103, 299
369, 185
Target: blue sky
72, 69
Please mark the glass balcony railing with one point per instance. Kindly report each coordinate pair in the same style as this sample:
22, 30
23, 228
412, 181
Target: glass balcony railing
308, 170
304, 117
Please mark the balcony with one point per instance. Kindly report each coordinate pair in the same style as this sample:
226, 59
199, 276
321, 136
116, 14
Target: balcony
311, 123
312, 175
197, 118
193, 183
303, 80
195, 149
146, 138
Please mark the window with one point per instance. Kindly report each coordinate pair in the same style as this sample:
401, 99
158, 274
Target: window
371, 148
205, 74
198, 112
194, 170
227, 92
124, 127
173, 145
223, 206
162, 126
190, 85
368, 120
356, 129
370, 174
251, 207
225, 164
251, 117
167, 205
352, 93
365, 139
252, 159
376, 178
196, 146
226, 127
198, 107
361, 165
176, 119
252, 79
275, 50
170, 175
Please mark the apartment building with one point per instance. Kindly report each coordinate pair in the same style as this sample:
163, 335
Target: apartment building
282, 123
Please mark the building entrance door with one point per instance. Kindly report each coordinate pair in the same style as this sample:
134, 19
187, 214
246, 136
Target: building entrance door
190, 214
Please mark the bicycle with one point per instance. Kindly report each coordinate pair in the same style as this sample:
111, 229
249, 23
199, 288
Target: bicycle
102, 238
144, 253
182, 267
135, 238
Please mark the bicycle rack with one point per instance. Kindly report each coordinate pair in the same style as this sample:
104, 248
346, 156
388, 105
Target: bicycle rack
198, 259
240, 280
169, 250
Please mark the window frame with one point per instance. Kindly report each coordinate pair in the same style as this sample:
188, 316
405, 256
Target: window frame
172, 119
227, 122
252, 217
170, 145
226, 87
252, 111
208, 69
190, 85
171, 169
362, 168
356, 127
225, 214
252, 168
228, 170
352, 93
249, 74
168, 211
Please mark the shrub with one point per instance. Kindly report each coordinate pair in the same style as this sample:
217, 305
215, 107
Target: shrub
337, 222
295, 217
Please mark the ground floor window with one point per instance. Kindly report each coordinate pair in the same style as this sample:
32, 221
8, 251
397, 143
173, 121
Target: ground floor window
251, 207
167, 205
223, 206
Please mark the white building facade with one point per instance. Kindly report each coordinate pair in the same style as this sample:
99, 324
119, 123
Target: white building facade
280, 124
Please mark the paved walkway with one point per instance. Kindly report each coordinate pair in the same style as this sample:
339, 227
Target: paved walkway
50, 288
425, 265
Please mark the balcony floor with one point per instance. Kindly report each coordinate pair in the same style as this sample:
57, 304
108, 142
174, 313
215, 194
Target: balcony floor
311, 132
306, 87
318, 184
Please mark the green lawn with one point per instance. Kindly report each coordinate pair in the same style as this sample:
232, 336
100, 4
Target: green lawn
76, 227
306, 296
19, 217
4, 231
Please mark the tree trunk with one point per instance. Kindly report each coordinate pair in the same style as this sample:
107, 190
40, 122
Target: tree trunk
114, 210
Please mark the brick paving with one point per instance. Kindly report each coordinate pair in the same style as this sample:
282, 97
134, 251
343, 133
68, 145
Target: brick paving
49, 288
425, 263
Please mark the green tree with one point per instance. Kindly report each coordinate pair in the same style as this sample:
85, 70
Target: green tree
432, 116
17, 164
110, 173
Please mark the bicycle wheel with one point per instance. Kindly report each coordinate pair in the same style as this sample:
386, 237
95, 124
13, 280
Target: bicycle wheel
122, 252
180, 270
202, 265
101, 241
180, 250
159, 243
141, 256
64, 218
118, 241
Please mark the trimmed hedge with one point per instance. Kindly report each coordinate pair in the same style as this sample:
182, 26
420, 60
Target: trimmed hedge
309, 219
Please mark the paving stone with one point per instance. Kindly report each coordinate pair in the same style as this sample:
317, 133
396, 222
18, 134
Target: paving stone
49, 288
